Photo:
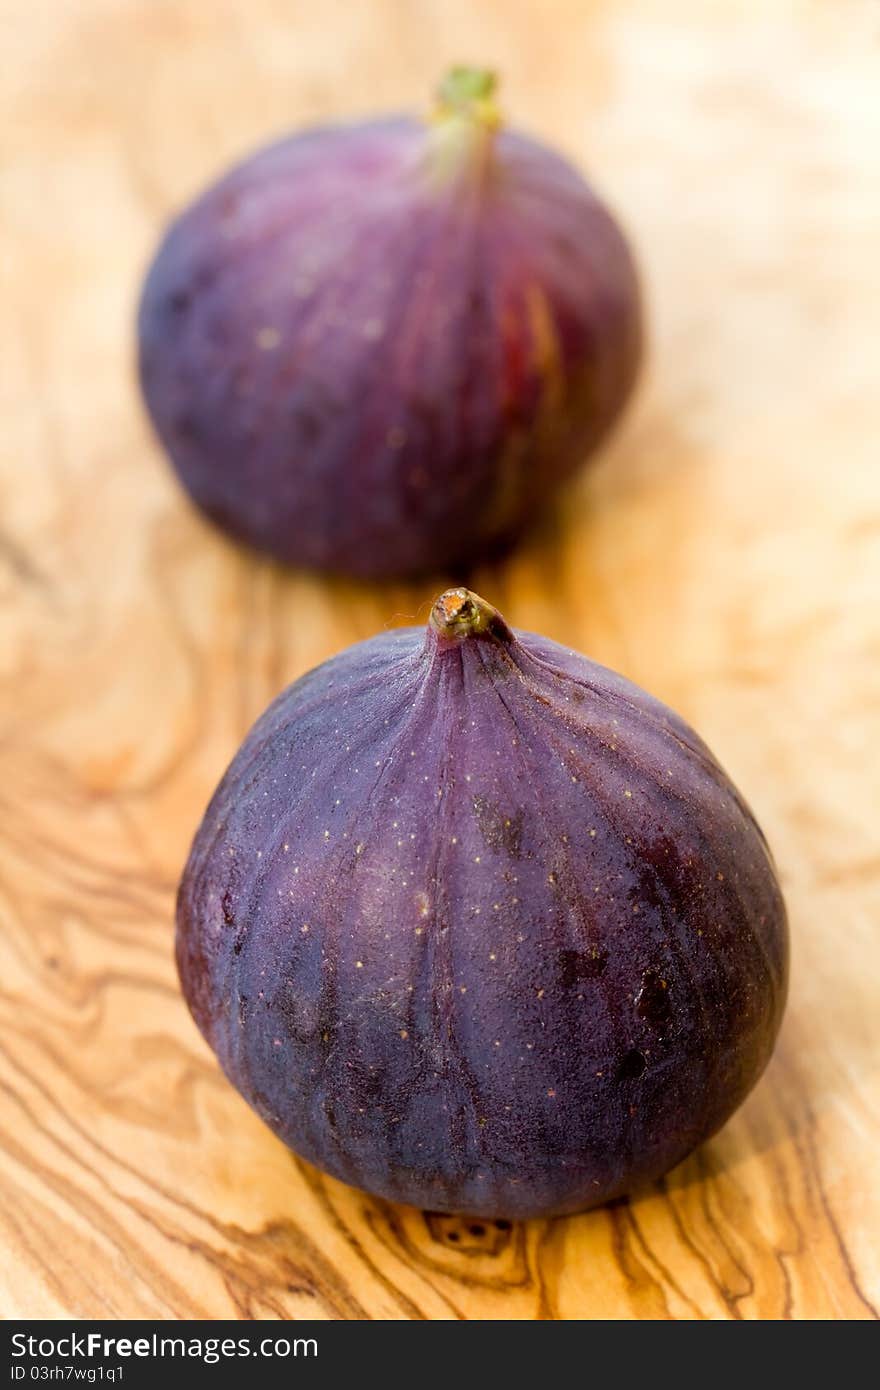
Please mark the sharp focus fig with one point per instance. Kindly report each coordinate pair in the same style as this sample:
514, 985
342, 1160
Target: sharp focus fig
475, 924
377, 348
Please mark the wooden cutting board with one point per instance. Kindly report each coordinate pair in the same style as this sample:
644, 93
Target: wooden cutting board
724, 552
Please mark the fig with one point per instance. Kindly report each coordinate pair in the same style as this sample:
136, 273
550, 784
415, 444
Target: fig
475, 924
376, 349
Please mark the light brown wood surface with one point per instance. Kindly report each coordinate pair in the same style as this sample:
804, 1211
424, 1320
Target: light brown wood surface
724, 552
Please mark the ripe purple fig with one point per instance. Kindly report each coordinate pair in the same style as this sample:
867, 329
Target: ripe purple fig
475, 924
378, 348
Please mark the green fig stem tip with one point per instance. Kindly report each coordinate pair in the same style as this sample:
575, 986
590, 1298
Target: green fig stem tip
469, 94
458, 613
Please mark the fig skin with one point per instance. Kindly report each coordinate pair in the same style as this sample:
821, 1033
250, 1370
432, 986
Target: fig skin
475, 924
379, 348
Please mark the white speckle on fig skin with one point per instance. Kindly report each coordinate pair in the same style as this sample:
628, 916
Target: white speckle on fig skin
642, 955
267, 339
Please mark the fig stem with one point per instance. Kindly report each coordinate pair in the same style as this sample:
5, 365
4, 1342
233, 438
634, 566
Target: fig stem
459, 613
464, 122
469, 93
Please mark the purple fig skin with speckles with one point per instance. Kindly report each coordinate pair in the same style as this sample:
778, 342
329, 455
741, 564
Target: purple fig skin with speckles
378, 349
477, 925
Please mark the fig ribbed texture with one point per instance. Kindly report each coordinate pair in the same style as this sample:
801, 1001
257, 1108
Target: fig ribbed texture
377, 349
475, 924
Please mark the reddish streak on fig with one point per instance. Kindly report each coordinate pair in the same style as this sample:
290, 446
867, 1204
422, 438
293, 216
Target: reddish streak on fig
476, 924
379, 348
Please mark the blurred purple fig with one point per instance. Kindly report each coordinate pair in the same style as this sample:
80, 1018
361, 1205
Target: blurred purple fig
378, 348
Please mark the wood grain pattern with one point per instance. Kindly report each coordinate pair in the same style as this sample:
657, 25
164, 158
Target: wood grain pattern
725, 553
